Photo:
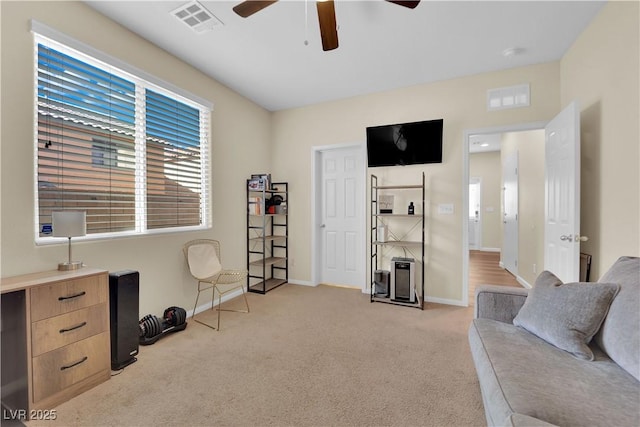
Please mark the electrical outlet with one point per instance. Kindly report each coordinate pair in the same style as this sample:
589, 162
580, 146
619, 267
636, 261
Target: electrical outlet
535, 269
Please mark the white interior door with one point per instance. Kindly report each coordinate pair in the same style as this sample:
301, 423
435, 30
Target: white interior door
475, 241
509, 253
341, 231
562, 195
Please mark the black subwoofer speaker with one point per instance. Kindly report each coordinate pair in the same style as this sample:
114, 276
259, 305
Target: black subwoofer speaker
124, 291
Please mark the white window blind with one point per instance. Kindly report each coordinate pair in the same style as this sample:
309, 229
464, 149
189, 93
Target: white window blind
130, 154
174, 183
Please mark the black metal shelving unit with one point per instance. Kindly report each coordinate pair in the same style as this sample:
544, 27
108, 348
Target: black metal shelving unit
377, 247
267, 239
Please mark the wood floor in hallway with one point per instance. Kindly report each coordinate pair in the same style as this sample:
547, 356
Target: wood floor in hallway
484, 268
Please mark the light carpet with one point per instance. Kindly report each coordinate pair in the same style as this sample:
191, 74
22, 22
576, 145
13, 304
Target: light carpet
304, 356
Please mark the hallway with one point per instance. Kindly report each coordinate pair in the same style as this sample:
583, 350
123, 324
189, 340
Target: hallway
484, 268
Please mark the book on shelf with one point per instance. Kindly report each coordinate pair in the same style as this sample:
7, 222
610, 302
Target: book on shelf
256, 206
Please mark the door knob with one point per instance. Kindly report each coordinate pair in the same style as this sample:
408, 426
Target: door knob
322, 225
568, 238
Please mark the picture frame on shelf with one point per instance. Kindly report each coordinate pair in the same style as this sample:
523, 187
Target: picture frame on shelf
386, 203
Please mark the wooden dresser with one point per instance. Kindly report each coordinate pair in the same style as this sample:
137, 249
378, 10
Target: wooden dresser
55, 336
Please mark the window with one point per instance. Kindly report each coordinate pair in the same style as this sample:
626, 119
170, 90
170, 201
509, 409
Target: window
130, 153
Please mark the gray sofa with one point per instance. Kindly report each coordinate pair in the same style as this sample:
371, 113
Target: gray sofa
526, 381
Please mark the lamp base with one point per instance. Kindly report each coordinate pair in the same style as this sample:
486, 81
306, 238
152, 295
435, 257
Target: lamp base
73, 265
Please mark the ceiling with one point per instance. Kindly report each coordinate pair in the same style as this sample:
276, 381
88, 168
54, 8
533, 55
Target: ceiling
484, 143
275, 57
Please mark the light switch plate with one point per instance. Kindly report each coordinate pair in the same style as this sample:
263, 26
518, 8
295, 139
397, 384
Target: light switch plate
445, 208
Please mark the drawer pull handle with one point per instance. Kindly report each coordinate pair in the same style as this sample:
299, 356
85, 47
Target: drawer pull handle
72, 296
78, 326
84, 359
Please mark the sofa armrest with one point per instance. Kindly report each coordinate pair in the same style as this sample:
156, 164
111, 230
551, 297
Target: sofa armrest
500, 303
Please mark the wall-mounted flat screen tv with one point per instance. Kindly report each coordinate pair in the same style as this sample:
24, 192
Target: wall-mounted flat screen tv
405, 143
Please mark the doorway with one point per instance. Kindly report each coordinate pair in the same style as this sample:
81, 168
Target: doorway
491, 210
339, 217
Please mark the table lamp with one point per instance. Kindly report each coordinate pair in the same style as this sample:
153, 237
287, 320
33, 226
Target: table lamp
69, 224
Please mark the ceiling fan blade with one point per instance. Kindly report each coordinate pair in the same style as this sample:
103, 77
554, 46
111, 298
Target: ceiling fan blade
328, 27
409, 4
248, 8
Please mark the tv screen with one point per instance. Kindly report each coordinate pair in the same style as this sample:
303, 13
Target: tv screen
405, 143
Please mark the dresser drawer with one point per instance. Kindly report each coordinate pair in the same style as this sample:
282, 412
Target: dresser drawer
61, 368
58, 331
63, 297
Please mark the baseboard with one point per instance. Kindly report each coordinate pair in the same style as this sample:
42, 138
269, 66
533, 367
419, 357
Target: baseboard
446, 301
520, 280
490, 249
435, 300
523, 282
301, 282
237, 293
313, 285
207, 305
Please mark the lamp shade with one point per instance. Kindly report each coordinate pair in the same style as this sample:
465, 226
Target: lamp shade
69, 223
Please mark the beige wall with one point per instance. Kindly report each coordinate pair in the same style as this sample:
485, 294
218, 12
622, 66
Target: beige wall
241, 134
530, 148
601, 71
487, 167
460, 102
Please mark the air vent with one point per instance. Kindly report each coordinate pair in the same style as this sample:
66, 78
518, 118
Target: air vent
196, 17
508, 97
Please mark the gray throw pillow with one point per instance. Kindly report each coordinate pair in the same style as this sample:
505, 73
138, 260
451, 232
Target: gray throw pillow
566, 315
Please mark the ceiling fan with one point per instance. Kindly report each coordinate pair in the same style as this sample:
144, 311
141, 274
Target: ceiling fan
326, 16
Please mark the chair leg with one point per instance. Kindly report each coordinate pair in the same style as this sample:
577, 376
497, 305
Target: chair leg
193, 316
219, 309
196, 304
244, 295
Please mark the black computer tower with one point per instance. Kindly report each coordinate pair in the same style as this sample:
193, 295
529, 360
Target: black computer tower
124, 291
